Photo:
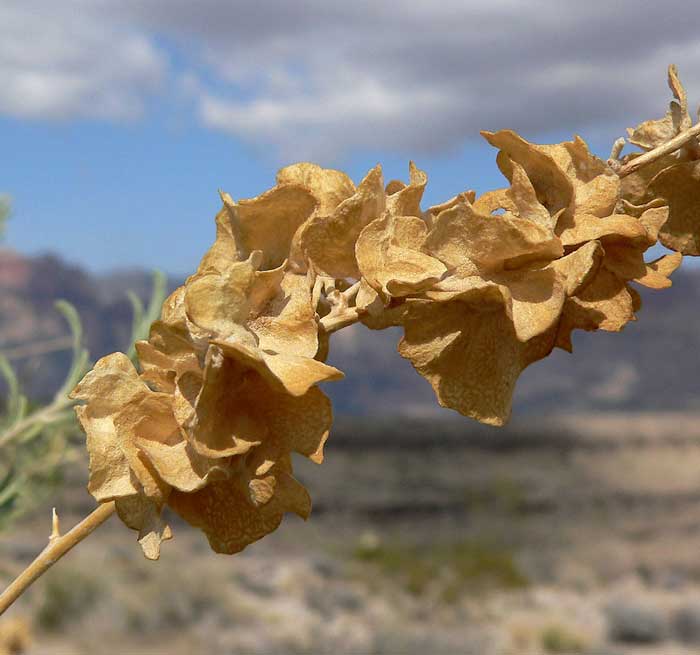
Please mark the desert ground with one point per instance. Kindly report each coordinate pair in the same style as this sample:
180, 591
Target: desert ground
560, 535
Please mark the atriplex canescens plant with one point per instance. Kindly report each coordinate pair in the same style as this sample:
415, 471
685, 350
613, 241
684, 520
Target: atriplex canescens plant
483, 287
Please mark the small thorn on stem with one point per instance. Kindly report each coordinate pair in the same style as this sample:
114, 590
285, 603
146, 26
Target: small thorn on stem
55, 525
57, 547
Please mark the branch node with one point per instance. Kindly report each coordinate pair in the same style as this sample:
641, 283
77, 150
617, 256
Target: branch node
617, 149
350, 293
664, 149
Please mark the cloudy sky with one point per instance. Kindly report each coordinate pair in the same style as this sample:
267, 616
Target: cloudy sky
120, 119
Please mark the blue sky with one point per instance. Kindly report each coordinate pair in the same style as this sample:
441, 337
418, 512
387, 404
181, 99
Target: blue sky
114, 196
113, 155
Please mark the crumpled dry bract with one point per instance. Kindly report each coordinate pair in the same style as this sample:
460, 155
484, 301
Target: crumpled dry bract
285, 322
653, 133
566, 177
404, 199
470, 242
607, 302
329, 241
390, 259
520, 199
582, 194
596, 186
226, 514
471, 358
246, 389
238, 301
679, 185
216, 301
328, 186
269, 222
554, 189
120, 412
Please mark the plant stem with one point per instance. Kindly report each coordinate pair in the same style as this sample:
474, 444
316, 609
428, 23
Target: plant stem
667, 148
45, 415
40, 348
58, 546
337, 320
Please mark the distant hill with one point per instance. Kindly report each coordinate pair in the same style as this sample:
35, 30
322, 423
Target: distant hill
653, 365
29, 287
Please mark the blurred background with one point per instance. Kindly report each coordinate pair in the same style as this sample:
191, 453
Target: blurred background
576, 529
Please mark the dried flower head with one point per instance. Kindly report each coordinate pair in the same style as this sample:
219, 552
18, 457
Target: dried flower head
484, 291
482, 286
486, 286
233, 394
584, 208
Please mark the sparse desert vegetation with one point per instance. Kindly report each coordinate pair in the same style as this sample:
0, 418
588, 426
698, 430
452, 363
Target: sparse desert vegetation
577, 561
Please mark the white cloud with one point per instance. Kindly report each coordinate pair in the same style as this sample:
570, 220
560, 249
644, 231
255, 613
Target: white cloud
323, 122
63, 60
318, 78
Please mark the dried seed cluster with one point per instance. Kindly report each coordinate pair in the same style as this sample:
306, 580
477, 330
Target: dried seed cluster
482, 286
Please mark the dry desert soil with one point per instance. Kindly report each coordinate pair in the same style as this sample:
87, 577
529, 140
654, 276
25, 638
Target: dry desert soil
561, 535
